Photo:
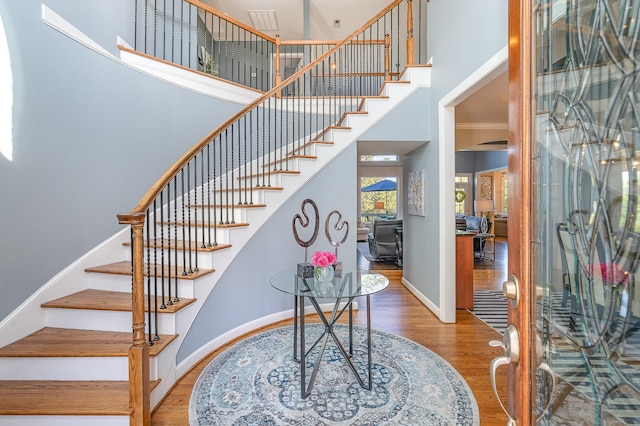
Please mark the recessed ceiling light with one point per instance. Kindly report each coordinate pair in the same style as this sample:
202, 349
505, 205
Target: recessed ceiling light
264, 20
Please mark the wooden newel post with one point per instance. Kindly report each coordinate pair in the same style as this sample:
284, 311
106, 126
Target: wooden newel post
387, 58
139, 390
278, 44
410, 52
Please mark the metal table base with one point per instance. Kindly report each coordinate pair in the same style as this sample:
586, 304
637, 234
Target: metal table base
336, 313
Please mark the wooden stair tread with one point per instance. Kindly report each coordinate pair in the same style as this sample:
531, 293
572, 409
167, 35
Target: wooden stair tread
166, 243
54, 397
124, 268
225, 206
103, 300
249, 189
69, 342
332, 127
308, 144
291, 157
271, 172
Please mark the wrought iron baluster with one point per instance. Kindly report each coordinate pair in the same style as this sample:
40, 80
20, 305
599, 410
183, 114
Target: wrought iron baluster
161, 242
175, 237
153, 297
148, 268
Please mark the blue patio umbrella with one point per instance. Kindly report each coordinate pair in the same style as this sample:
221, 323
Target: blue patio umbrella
384, 185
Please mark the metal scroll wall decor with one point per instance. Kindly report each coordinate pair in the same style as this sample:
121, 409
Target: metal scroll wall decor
588, 152
338, 226
305, 269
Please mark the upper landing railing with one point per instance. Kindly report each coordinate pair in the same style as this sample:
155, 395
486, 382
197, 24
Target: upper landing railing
183, 217
192, 34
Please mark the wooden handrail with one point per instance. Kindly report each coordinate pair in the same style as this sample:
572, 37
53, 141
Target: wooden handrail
230, 19
155, 189
326, 42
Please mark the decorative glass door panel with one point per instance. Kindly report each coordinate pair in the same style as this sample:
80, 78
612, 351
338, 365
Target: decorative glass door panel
586, 199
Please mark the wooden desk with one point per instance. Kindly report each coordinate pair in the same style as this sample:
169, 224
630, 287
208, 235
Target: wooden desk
464, 271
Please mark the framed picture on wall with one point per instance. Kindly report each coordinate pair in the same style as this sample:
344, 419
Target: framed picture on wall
415, 197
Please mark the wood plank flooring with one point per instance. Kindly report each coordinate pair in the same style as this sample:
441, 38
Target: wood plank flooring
463, 344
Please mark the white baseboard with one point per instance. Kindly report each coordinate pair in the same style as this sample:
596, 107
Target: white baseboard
422, 298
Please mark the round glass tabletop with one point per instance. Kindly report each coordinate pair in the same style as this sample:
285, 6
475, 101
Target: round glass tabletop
352, 283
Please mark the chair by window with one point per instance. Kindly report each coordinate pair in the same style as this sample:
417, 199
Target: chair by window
382, 240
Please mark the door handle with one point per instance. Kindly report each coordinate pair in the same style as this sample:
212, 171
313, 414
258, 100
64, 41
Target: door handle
511, 346
546, 368
511, 290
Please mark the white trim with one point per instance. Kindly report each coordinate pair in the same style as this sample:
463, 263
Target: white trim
189, 80
421, 297
57, 22
495, 66
482, 126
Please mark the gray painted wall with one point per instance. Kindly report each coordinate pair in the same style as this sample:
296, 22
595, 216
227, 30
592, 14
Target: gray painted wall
462, 35
491, 160
407, 122
90, 137
479, 161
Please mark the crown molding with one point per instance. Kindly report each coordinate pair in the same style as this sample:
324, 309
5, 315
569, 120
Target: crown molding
482, 126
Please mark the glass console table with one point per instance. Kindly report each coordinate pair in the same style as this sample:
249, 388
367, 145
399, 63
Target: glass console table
345, 289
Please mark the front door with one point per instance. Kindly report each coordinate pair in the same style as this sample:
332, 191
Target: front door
574, 172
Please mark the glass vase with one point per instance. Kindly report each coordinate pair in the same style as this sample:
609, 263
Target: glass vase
324, 274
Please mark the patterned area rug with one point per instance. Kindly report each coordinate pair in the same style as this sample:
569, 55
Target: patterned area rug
490, 306
256, 382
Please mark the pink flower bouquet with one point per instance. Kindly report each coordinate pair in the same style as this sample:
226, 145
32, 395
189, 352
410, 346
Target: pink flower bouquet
323, 259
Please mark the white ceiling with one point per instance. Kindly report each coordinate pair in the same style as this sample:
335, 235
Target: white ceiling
487, 106
352, 14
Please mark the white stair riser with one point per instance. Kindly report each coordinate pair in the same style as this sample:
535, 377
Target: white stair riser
84, 319
273, 180
64, 420
71, 368
122, 283
220, 214
397, 90
205, 259
65, 368
194, 233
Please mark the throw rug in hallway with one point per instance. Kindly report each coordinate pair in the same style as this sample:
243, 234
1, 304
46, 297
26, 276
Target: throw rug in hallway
490, 306
256, 381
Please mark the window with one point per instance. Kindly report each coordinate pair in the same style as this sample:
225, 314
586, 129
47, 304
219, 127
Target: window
378, 198
388, 158
463, 193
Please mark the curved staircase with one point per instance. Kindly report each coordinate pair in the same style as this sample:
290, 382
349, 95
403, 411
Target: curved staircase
74, 369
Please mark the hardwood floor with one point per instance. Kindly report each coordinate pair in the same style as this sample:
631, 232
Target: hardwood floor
463, 344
